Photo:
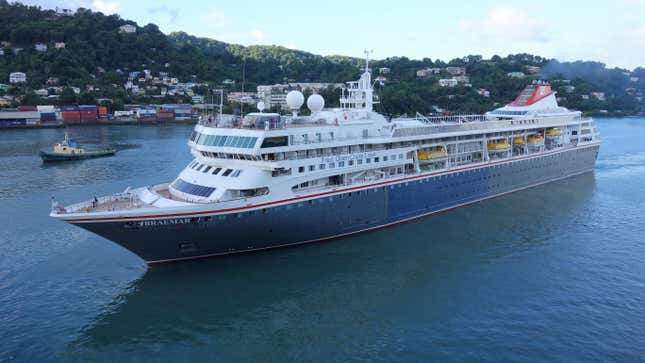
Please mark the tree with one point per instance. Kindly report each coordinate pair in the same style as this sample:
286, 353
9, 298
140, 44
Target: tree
68, 96
86, 98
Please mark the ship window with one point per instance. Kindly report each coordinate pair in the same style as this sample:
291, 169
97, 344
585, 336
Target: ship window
385, 158
227, 172
275, 141
200, 167
350, 163
312, 167
332, 165
236, 173
207, 169
376, 160
301, 169
341, 164
217, 170
230, 141
359, 161
194, 189
368, 160
321, 166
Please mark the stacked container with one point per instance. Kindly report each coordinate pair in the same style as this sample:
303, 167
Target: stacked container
70, 114
88, 113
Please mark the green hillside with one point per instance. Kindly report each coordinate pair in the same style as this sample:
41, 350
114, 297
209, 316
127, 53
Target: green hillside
98, 57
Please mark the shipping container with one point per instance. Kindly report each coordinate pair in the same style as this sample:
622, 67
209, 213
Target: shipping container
48, 116
102, 110
27, 108
46, 108
88, 115
71, 116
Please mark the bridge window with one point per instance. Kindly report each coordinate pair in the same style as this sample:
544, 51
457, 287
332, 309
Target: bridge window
275, 141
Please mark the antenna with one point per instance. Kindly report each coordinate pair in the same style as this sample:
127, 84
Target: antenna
367, 59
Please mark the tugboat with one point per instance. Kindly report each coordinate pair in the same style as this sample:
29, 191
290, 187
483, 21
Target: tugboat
68, 149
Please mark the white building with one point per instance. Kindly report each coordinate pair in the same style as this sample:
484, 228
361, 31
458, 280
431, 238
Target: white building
59, 45
42, 92
427, 72
569, 88
41, 47
599, 96
515, 74
462, 79
448, 82
128, 28
455, 71
17, 77
484, 92
384, 70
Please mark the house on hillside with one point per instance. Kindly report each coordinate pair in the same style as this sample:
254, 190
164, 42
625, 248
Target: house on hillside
59, 45
515, 74
532, 69
600, 96
448, 82
128, 28
427, 72
455, 71
40, 47
17, 77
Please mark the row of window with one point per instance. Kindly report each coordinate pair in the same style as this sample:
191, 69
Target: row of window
223, 140
341, 164
198, 167
194, 189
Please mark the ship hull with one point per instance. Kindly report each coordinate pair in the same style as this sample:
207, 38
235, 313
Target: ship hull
337, 214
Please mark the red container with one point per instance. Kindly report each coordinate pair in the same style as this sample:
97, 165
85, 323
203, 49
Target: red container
102, 110
89, 116
27, 108
71, 116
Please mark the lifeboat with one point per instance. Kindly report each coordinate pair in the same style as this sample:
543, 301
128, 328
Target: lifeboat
553, 132
535, 140
433, 154
501, 145
519, 141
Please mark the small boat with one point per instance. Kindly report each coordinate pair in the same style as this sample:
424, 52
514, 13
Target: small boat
69, 150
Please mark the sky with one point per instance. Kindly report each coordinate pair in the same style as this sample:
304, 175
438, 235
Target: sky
612, 32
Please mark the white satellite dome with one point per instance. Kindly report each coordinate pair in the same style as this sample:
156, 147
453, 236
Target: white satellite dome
315, 102
295, 99
261, 106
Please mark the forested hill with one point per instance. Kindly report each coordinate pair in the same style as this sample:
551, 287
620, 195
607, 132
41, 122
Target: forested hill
98, 56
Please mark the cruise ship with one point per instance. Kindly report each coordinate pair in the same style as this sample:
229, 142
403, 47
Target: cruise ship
273, 181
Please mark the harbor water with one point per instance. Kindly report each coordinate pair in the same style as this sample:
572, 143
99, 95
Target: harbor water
553, 273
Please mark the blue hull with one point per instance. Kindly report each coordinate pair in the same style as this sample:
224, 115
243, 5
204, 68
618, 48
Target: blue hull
340, 214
